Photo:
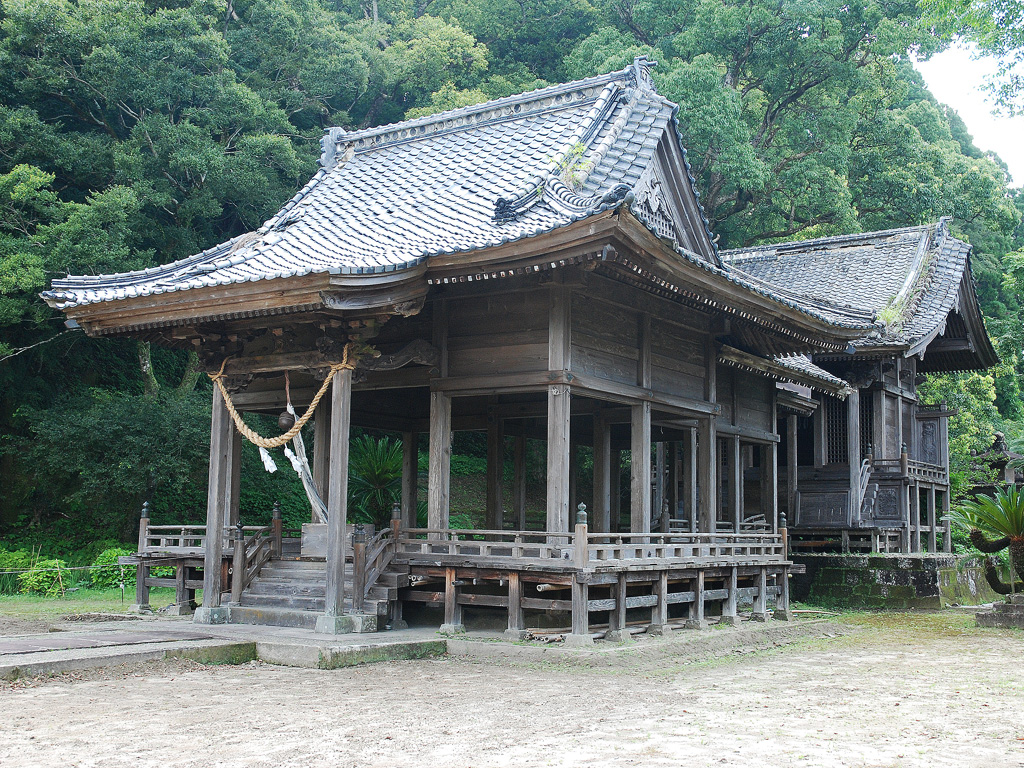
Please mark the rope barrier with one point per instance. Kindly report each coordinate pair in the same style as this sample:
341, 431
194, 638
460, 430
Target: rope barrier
276, 442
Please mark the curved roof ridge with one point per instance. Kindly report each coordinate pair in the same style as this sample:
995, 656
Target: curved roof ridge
769, 250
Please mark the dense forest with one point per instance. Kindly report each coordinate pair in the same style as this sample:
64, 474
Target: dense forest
134, 132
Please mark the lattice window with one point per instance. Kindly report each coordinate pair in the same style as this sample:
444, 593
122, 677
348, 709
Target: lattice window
660, 221
867, 423
835, 431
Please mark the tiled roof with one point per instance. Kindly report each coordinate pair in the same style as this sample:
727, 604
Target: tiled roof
911, 277
802, 366
387, 198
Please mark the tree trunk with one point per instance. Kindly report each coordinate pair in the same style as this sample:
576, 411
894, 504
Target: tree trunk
149, 382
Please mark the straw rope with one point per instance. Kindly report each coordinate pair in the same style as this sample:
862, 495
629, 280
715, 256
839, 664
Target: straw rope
276, 442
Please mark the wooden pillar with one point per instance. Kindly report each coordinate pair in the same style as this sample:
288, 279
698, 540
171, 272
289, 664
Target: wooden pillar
761, 600
729, 614
853, 452
495, 472
516, 624
452, 610
410, 478
736, 482
690, 464
558, 459
933, 522
233, 489
792, 461
602, 474
141, 604
617, 631
440, 461
915, 518
321, 448
659, 498
337, 505
640, 468
559, 412
674, 472
616, 486
574, 470
947, 541
770, 485
782, 611
519, 481
222, 446
696, 619
659, 613
707, 461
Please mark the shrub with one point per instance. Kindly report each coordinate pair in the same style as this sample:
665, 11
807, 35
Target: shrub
17, 560
109, 573
47, 577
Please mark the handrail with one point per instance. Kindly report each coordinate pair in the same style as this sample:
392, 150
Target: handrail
599, 548
250, 554
380, 551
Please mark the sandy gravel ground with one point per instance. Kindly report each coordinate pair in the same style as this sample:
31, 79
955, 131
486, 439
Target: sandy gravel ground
919, 696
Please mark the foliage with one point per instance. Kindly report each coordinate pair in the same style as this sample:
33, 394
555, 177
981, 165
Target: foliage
375, 479
972, 395
1000, 516
46, 577
997, 28
108, 573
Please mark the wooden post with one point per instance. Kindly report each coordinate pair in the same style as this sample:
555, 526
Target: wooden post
602, 474
337, 506
659, 613
616, 485
707, 461
580, 635
519, 481
782, 612
729, 614
495, 519
736, 483
792, 470
321, 448
761, 601
440, 462
277, 529
617, 631
516, 624
690, 481
640, 468
696, 619
182, 600
238, 565
232, 492
410, 478
142, 571
358, 568
853, 453
947, 541
452, 610
770, 485
659, 497
915, 518
933, 522
222, 444
674, 472
574, 471
558, 459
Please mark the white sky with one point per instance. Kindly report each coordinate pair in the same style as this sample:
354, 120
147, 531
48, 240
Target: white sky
956, 79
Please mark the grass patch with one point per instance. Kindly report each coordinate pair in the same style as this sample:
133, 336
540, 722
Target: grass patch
78, 601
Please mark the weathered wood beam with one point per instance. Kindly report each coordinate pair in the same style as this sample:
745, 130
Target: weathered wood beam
640, 469
337, 500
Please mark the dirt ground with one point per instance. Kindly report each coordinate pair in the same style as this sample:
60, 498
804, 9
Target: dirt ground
901, 691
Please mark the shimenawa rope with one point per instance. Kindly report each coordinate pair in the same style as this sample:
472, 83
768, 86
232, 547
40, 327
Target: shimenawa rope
277, 442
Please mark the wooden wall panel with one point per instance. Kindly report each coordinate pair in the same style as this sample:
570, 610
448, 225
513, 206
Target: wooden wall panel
605, 340
504, 333
753, 398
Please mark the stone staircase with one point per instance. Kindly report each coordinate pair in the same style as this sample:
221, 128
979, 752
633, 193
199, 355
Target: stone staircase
289, 592
1007, 614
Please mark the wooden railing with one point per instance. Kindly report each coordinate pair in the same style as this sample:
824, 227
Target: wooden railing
249, 555
918, 470
586, 550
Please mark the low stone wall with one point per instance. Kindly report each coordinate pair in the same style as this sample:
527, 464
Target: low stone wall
890, 581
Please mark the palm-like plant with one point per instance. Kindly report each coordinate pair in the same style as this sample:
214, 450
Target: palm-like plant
995, 523
374, 479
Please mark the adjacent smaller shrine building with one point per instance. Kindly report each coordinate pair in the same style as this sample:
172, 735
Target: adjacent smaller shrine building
539, 268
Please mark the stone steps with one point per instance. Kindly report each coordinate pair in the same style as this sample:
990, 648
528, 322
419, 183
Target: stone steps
1007, 615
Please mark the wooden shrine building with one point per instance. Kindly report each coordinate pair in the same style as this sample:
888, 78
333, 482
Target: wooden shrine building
872, 473
536, 268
